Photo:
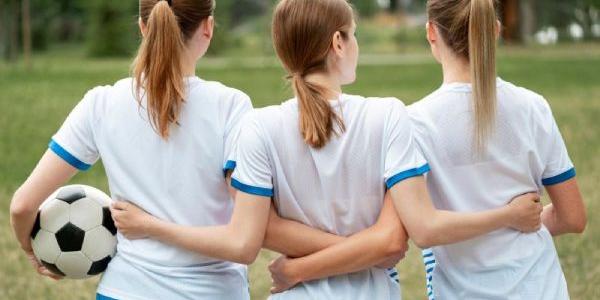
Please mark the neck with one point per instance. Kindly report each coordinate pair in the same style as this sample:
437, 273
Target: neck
456, 69
188, 65
333, 87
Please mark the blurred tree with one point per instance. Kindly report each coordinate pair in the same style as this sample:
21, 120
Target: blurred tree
112, 27
70, 23
43, 13
587, 14
244, 10
26, 30
365, 8
222, 37
9, 29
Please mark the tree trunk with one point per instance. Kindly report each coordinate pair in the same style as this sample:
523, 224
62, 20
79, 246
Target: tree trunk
13, 32
394, 5
3, 30
527, 20
26, 18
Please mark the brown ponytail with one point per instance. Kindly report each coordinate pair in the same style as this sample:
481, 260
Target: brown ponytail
302, 34
316, 115
157, 70
469, 28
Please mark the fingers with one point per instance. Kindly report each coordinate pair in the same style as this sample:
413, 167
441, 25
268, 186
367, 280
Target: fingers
45, 272
119, 205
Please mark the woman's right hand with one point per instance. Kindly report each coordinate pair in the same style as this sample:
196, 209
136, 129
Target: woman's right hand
526, 213
39, 267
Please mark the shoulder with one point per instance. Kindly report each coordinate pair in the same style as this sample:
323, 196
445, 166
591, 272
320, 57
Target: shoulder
428, 103
524, 101
223, 92
98, 98
383, 106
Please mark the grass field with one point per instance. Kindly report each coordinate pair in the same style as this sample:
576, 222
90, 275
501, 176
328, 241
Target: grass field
34, 103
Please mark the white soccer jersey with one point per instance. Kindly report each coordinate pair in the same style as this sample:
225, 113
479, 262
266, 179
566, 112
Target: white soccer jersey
179, 179
525, 152
339, 188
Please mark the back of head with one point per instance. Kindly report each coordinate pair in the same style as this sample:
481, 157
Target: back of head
157, 69
302, 35
469, 28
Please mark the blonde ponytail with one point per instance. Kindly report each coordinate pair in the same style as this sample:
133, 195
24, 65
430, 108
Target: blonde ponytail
482, 58
468, 27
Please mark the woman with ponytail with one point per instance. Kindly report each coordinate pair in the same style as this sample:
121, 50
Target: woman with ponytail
489, 140
323, 161
165, 138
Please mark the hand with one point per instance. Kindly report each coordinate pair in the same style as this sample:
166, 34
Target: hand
526, 213
282, 279
39, 267
130, 220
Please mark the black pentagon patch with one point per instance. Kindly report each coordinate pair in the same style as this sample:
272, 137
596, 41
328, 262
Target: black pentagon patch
99, 266
71, 194
36, 226
53, 268
107, 221
70, 238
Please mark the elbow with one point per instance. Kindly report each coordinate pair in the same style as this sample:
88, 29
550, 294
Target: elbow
423, 241
424, 238
578, 225
246, 253
395, 241
19, 207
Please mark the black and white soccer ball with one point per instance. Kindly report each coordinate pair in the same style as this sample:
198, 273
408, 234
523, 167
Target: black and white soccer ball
74, 234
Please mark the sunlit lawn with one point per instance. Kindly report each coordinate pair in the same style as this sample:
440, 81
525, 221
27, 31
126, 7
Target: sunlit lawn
33, 104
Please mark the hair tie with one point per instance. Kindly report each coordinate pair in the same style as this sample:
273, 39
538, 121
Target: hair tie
295, 75
170, 2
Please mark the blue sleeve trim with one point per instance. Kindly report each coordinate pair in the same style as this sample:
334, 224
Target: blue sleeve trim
251, 189
407, 174
229, 166
68, 157
560, 177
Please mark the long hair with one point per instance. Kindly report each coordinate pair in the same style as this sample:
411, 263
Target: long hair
469, 28
157, 69
302, 36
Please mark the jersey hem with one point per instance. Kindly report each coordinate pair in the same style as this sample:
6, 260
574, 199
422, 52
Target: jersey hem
407, 174
68, 157
560, 178
253, 190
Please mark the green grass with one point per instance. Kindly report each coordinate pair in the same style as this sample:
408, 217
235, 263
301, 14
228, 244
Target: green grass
34, 103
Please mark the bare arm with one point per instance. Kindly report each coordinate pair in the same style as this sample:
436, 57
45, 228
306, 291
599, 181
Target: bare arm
429, 227
291, 238
295, 239
239, 241
567, 212
50, 173
360, 251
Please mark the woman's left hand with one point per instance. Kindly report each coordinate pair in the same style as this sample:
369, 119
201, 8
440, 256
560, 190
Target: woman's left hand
130, 220
282, 274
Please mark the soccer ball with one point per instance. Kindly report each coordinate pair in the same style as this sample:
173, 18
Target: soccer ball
74, 234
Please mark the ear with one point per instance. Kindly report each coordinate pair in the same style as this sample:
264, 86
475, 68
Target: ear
337, 44
143, 28
498, 29
208, 27
432, 35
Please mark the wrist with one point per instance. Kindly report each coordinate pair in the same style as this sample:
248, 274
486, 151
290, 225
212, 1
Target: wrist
506, 216
150, 225
292, 270
27, 249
